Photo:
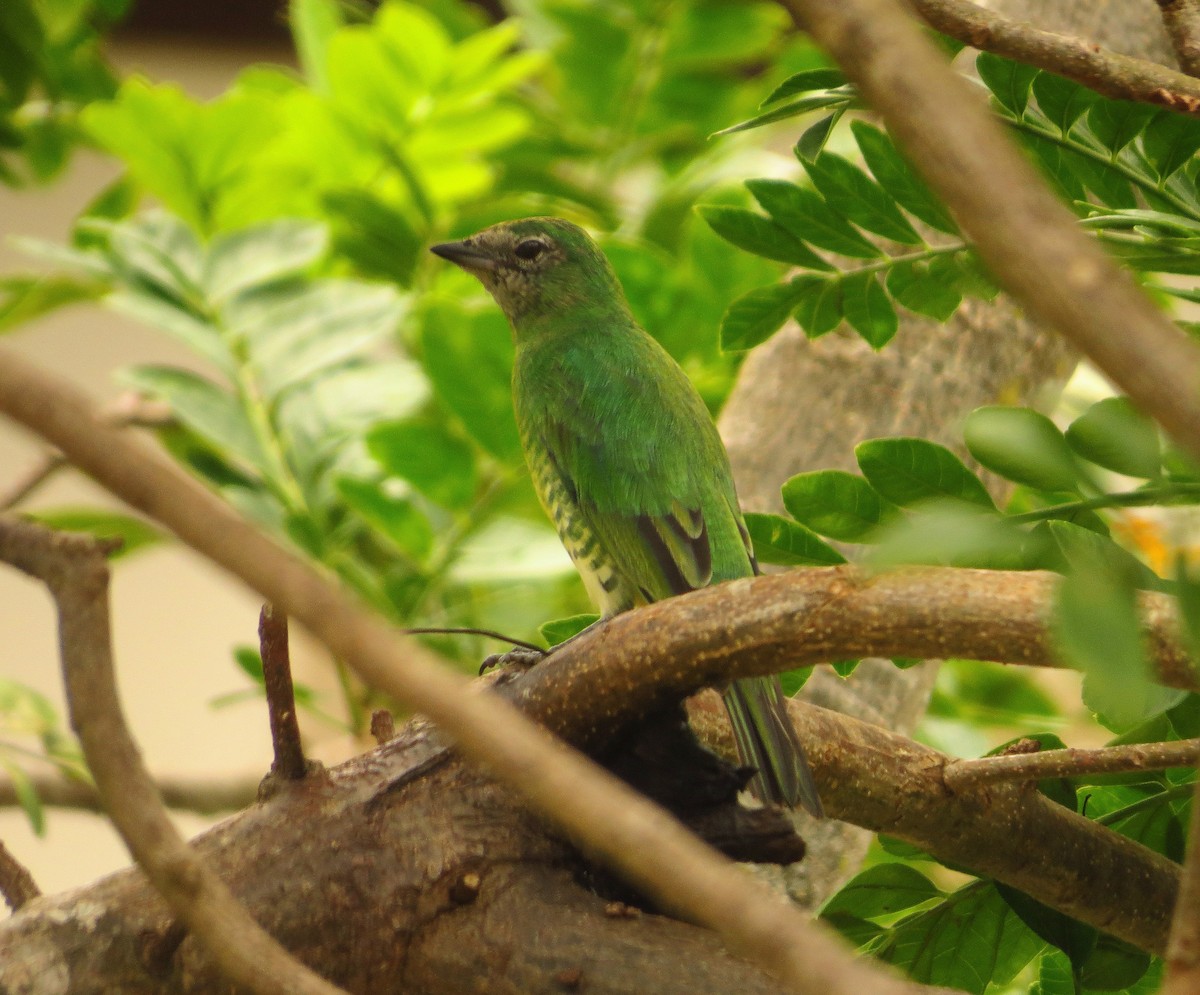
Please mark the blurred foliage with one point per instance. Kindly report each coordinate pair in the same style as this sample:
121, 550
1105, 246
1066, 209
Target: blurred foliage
351, 394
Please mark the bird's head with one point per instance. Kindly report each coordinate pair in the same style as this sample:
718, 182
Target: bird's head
537, 267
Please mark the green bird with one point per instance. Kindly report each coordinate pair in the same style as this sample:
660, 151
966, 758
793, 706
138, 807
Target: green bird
624, 456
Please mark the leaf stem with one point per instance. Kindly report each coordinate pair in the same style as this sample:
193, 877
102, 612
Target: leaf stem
1125, 499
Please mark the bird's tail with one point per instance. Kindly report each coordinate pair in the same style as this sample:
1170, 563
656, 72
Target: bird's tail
767, 741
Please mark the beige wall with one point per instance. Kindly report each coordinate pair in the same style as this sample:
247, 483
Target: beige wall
175, 618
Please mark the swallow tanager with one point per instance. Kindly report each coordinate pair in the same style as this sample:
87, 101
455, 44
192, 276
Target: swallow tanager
624, 455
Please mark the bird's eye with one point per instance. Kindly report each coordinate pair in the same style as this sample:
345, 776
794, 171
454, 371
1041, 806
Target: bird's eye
531, 248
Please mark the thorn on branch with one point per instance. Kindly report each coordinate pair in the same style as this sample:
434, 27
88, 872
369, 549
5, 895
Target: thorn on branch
16, 883
383, 726
281, 698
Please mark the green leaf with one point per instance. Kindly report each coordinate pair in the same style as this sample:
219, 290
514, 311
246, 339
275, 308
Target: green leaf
804, 82
314, 23
803, 105
1097, 629
134, 533
1062, 101
853, 194
1116, 123
469, 359
785, 543
923, 290
969, 941
1075, 548
1021, 445
23, 788
837, 504
239, 260
430, 457
953, 533
23, 298
376, 236
818, 307
1170, 141
802, 212
1113, 434
866, 307
881, 891
907, 471
395, 517
899, 179
205, 408
1009, 81
812, 141
756, 316
561, 629
1072, 937
1113, 966
1055, 976
762, 236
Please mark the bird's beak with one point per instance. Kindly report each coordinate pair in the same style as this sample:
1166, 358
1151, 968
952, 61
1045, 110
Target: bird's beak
467, 256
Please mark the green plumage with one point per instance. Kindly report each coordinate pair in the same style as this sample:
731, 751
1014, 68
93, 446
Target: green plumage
624, 456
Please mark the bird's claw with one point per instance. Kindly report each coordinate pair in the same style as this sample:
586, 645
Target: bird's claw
520, 656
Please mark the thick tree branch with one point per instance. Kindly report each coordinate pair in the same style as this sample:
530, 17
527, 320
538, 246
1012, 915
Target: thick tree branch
1183, 953
1182, 21
1022, 232
609, 820
74, 569
204, 796
16, 883
965, 775
1110, 73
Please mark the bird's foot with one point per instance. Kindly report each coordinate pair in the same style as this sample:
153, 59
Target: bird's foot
520, 656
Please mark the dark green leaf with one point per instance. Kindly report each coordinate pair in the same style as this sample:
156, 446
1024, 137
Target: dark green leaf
853, 194
426, 454
836, 504
1009, 81
756, 316
1113, 434
1061, 100
786, 543
818, 307
803, 105
376, 236
1072, 937
907, 471
561, 629
1169, 141
1116, 123
899, 179
1021, 445
1113, 966
805, 82
970, 940
922, 290
802, 212
812, 141
867, 308
881, 891
469, 358
395, 517
759, 235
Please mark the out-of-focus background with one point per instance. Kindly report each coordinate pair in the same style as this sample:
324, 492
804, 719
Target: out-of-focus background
174, 616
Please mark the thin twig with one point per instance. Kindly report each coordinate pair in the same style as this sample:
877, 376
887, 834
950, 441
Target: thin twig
16, 883
1112, 74
74, 569
41, 470
1026, 237
204, 796
605, 817
1181, 18
965, 775
281, 698
1183, 950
